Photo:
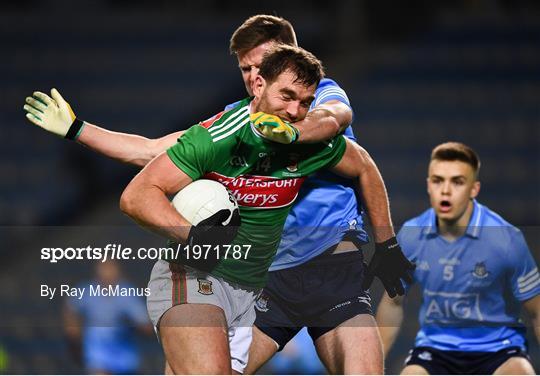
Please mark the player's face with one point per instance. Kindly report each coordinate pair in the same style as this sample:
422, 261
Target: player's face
249, 62
108, 272
452, 186
285, 97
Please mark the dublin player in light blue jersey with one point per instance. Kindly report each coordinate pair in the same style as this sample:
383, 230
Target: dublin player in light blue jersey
475, 272
318, 278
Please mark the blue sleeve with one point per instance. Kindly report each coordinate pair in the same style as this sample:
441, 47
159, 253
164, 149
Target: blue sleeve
525, 279
329, 90
349, 133
232, 105
406, 238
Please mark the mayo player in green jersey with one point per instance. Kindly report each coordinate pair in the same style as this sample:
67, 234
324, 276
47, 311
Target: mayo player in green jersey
198, 329
346, 344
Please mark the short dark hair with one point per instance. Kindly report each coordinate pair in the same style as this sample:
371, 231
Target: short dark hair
260, 29
303, 64
456, 151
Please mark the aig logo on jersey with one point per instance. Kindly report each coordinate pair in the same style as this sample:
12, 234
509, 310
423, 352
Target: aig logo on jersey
480, 271
205, 287
451, 307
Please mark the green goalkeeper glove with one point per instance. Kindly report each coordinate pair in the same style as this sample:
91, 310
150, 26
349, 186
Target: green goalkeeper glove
53, 114
274, 129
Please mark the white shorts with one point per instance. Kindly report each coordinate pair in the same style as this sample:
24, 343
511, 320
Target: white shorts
172, 284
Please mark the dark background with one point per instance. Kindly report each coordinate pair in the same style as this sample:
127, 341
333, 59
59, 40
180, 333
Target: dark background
417, 74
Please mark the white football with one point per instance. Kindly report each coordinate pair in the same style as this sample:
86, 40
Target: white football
202, 198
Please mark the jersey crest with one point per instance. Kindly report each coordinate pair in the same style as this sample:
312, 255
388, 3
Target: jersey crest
480, 270
205, 287
293, 162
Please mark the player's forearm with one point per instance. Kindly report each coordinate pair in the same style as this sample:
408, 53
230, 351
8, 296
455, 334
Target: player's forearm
56, 116
324, 122
375, 199
389, 319
127, 148
149, 207
124, 147
356, 163
536, 327
389, 324
388, 337
535, 323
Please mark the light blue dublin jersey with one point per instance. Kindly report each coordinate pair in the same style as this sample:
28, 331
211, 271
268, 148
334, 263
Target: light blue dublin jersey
472, 287
108, 341
326, 208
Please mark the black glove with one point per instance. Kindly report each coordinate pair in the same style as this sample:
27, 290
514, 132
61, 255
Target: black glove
390, 265
215, 231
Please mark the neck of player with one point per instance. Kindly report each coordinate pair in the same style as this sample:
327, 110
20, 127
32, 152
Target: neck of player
452, 229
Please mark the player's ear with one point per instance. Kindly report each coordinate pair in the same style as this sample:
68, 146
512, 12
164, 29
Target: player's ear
475, 190
258, 86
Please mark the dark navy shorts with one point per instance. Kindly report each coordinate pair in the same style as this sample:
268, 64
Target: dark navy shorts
320, 295
438, 362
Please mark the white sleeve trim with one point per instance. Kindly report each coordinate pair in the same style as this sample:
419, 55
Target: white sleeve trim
528, 275
330, 92
532, 283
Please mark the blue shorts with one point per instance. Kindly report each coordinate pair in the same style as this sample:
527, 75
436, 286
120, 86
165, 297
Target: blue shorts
438, 362
320, 295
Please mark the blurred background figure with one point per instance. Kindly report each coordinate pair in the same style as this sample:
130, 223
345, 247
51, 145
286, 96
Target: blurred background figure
101, 330
475, 272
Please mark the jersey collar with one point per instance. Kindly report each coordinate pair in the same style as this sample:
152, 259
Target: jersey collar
473, 228
475, 223
431, 228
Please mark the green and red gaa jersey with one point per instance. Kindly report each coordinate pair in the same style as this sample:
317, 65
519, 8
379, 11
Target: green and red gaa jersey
264, 176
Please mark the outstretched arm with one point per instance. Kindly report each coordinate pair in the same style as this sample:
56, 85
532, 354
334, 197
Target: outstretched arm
125, 147
388, 263
358, 164
389, 318
56, 116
